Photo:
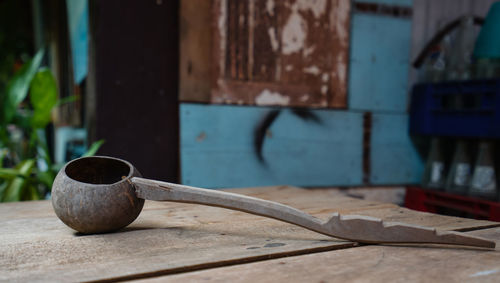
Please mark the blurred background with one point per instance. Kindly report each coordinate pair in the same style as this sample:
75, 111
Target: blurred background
395, 100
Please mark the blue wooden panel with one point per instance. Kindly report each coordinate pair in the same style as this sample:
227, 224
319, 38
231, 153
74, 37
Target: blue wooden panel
379, 63
217, 148
78, 27
394, 158
388, 2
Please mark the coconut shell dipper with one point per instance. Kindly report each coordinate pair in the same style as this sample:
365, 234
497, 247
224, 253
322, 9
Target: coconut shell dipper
104, 194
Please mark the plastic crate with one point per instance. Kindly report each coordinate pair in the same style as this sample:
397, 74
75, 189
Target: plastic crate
439, 202
456, 109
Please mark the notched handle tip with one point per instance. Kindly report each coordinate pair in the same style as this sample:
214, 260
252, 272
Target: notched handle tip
368, 229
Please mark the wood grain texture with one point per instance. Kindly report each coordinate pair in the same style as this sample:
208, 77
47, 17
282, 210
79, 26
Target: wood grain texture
195, 50
364, 264
358, 228
287, 53
171, 237
217, 148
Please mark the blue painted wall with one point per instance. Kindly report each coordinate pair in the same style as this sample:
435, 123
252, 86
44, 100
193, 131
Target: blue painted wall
217, 141
379, 63
217, 148
394, 158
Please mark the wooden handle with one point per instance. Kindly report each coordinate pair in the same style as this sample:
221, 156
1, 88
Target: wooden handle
162, 191
358, 228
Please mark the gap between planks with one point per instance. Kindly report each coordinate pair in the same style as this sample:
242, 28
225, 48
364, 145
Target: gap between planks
232, 262
225, 263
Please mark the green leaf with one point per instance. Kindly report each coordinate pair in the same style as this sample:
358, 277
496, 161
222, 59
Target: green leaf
2, 188
8, 173
18, 86
93, 148
31, 193
43, 97
22, 119
3, 153
43, 152
15, 188
46, 178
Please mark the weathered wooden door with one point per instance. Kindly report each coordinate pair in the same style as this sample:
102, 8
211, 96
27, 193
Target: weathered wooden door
288, 53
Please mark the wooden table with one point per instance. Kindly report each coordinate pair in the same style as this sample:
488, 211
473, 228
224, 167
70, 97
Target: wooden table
183, 242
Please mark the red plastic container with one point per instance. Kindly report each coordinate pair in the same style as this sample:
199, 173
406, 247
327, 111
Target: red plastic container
441, 202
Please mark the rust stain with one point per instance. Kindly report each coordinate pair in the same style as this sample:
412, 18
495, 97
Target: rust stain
201, 137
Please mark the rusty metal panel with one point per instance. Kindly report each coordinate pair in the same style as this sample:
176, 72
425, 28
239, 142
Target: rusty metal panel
287, 53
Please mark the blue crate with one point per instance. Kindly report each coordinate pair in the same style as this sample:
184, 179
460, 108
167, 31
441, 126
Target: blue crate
456, 109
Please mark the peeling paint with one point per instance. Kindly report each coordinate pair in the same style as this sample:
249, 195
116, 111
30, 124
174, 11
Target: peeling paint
325, 77
267, 97
308, 40
324, 89
317, 7
338, 20
270, 7
294, 33
273, 39
312, 70
308, 51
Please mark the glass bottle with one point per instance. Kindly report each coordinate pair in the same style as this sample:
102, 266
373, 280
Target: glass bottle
434, 173
460, 56
483, 182
459, 176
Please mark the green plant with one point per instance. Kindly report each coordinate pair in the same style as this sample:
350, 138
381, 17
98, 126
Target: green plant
26, 169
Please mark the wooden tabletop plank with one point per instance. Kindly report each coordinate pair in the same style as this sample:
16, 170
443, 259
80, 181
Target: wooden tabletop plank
172, 237
365, 264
